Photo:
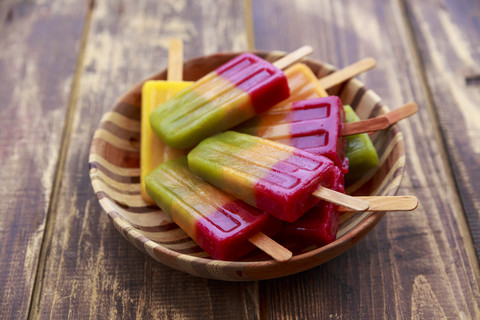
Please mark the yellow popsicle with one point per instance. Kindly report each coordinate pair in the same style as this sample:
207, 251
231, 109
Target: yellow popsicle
153, 152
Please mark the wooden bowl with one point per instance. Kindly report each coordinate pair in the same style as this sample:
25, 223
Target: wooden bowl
115, 175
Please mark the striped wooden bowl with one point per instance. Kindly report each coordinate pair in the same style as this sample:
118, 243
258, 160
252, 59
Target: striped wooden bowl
115, 175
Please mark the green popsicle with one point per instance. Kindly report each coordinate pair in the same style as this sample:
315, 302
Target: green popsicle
360, 151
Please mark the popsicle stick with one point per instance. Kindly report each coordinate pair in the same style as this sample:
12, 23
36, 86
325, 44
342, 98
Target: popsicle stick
175, 60
387, 203
402, 112
347, 73
270, 247
341, 199
368, 125
293, 57
381, 122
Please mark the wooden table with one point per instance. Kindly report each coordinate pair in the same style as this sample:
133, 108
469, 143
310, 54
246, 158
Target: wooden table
63, 64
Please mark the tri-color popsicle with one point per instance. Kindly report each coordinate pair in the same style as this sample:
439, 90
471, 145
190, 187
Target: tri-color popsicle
281, 180
227, 96
222, 225
313, 125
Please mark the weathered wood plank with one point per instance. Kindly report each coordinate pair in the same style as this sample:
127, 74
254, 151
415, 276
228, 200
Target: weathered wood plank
39, 48
447, 34
412, 265
91, 271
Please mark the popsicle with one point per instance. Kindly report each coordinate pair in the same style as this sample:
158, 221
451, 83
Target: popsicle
154, 92
313, 125
225, 97
226, 228
360, 151
279, 179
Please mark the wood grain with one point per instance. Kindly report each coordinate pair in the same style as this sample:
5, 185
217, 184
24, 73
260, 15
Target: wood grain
410, 265
35, 86
91, 271
448, 48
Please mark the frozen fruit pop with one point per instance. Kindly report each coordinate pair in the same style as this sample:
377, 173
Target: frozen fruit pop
153, 151
227, 96
313, 125
218, 223
223, 98
279, 179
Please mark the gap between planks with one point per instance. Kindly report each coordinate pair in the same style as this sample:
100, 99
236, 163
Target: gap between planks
60, 168
442, 145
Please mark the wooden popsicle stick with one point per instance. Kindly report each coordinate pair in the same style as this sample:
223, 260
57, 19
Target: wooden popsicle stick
380, 122
402, 112
347, 73
387, 203
362, 126
293, 57
175, 60
344, 200
270, 247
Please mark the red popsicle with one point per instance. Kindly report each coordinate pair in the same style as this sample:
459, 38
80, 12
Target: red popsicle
279, 179
223, 226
